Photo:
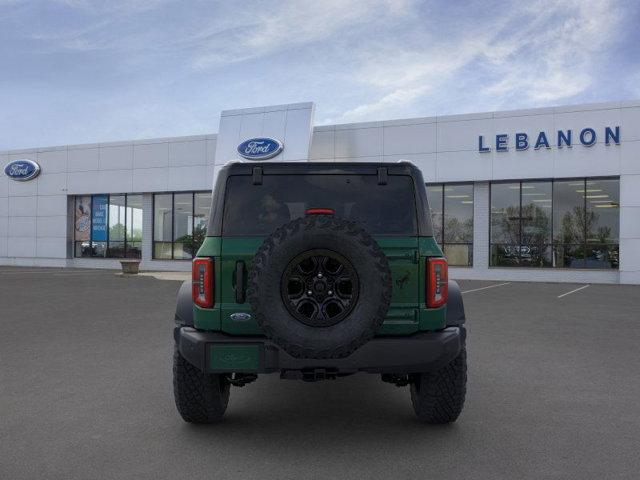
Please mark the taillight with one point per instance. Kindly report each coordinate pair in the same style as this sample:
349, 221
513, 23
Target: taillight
320, 211
437, 282
202, 278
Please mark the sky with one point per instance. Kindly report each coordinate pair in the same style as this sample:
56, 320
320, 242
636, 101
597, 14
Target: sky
78, 71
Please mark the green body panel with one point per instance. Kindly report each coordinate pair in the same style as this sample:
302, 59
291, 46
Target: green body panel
406, 255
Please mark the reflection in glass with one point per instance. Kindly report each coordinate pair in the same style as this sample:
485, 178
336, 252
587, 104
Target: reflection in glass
535, 215
134, 226
201, 206
505, 213
434, 196
183, 225
564, 224
162, 225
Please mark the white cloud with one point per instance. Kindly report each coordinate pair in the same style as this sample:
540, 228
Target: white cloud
544, 52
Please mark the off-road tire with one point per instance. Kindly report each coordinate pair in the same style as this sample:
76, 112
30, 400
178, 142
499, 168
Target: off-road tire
438, 397
305, 234
200, 397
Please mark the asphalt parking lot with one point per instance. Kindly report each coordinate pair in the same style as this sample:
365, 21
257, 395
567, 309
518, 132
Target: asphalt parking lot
85, 392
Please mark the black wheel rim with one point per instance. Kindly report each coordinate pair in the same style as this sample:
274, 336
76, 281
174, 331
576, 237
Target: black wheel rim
319, 288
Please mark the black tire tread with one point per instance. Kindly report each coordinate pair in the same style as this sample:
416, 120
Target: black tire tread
438, 397
325, 222
199, 397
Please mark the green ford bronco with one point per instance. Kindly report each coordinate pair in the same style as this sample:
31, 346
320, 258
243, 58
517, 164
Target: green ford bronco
317, 271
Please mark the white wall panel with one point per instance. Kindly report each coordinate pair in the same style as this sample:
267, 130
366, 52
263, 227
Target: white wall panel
581, 161
358, 142
21, 246
151, 155
22, 206
51, 247
630, 124
22, 227
150, 179
22, 189
463, 166
51, 205
84, 182
52, 161
52, 183
297, 136
188, 153
322, 145
115, 181
463, 135
188, 178
52, 226
83, 159
630, 157
117, 157
408, 139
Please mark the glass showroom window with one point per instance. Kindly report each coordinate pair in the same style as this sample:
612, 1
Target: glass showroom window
586, 223
108, 226
451, 208
179, 224
555, 224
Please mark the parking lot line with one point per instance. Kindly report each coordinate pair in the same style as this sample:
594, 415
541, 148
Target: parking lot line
484, 288
573, 291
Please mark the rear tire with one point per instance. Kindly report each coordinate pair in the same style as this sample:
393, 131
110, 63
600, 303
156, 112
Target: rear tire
438, 397
200, 397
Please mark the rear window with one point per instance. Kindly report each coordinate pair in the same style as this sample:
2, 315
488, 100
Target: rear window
259, 209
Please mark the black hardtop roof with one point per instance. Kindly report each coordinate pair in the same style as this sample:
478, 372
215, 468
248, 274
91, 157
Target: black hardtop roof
320, 168
363, 168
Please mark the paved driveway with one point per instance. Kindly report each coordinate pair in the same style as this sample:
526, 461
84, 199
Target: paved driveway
85, 392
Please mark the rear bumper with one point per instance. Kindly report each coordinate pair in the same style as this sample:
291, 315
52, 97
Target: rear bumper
216, 352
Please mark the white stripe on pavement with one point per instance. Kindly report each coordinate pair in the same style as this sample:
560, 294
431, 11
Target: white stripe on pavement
573, 291
484, 288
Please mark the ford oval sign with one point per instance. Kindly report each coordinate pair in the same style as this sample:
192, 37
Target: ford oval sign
22, 170
260, 148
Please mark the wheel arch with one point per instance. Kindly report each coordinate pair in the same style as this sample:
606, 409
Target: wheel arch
184, 306
455, 306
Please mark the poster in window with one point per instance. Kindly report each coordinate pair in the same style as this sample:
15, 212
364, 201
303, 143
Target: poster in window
99, 218
83, 219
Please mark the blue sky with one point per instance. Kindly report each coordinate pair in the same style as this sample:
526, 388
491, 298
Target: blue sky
76, 71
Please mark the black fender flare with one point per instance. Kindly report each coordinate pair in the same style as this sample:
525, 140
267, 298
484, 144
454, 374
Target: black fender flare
455, 307
184, 306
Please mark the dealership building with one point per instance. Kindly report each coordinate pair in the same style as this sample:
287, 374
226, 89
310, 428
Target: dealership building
548, 194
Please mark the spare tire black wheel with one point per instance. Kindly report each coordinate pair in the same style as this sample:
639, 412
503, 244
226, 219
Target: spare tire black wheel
319, 287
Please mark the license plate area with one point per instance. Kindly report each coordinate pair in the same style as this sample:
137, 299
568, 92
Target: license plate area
227, 358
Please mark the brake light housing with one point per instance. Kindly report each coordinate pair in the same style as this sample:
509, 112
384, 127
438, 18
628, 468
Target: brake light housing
437, 284
320, 211
202, 277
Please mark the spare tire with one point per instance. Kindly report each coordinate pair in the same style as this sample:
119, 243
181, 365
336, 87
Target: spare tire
319, 287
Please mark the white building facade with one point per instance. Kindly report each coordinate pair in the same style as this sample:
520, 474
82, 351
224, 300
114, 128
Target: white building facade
550, 194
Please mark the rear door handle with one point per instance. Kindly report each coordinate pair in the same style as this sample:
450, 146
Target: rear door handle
240, 273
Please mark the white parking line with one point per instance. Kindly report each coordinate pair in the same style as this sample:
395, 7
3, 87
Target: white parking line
484, 288
573, 291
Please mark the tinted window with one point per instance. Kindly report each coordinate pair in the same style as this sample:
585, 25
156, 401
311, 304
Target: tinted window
379, 209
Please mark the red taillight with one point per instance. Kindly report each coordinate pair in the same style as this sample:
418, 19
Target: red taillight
437, 282
202, 277
320, 211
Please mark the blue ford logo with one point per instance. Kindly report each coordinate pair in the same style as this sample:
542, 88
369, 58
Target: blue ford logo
260, 148
22, 170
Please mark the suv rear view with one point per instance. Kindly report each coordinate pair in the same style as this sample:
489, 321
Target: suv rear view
316, 271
